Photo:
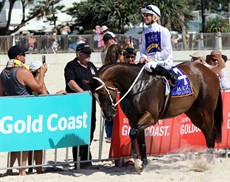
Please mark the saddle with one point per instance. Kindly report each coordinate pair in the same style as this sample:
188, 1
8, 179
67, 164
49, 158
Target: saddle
182, 89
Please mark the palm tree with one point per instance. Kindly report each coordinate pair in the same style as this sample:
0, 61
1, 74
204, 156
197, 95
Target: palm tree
117, 14
175, 16
217, 24
38, 10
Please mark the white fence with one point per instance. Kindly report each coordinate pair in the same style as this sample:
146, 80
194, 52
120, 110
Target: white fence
44, 43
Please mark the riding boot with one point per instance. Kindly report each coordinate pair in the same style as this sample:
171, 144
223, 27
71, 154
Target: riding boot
169, 74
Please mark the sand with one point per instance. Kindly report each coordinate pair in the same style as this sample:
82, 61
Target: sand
171, 167
160, 168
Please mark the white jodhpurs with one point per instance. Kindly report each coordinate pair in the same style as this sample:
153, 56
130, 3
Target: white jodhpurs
153, 64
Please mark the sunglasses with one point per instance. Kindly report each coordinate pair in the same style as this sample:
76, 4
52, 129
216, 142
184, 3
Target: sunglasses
194, 58
214, 60
128, 57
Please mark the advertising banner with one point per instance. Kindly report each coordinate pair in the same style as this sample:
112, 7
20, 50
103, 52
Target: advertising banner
44, 122
167, 136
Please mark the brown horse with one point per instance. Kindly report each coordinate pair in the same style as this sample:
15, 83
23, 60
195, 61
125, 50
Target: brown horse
144, 97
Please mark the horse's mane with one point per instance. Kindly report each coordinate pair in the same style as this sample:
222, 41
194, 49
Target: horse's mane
119, 63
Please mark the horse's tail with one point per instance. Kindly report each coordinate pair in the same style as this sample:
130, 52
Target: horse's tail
218, 118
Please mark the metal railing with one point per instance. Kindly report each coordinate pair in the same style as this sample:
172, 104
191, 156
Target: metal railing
66, 159
67, 43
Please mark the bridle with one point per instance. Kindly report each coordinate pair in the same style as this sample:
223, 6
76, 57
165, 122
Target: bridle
107, 88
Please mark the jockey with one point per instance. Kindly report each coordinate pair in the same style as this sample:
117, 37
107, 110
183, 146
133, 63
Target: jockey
156, 48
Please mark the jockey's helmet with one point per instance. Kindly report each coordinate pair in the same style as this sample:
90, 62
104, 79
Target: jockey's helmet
152, 9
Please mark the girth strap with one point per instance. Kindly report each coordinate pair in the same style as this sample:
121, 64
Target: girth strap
167, 100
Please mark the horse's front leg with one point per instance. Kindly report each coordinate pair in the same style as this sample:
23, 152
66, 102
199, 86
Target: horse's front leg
138, 132
142, 147
137, 162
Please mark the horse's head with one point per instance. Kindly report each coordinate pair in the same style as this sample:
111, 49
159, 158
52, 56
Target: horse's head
105, 96
109, 79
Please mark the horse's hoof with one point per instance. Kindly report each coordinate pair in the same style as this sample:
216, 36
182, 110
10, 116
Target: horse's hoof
138, 164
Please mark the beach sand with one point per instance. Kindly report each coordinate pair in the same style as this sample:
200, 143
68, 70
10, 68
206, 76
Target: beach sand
174, 167
171, 167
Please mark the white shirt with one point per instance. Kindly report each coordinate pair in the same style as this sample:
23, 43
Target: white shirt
224, 82
164, 52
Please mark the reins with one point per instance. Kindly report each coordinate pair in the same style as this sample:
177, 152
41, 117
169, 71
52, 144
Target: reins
115, 89
134, 82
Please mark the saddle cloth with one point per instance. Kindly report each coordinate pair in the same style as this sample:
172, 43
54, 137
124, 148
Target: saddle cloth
183, 87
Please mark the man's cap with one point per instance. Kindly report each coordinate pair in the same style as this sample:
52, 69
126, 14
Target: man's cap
211, 56
199, 55
34, 65
104, 28
83, 47
108, 35
152, 9
129, 51
14, 51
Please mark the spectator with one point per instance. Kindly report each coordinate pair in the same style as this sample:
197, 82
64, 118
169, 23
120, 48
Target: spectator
15, 80
54, 39
109, 39
129, 55
80, 40
98, 37
198, 57
128, 42
46, 41
77, 72
38, 154
110, 54
65, 31
21, 40
35, 68
104, 29
174, 41
114, 54
31, 42
217, 62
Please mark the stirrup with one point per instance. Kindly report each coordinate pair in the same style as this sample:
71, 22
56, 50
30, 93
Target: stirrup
173, 85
